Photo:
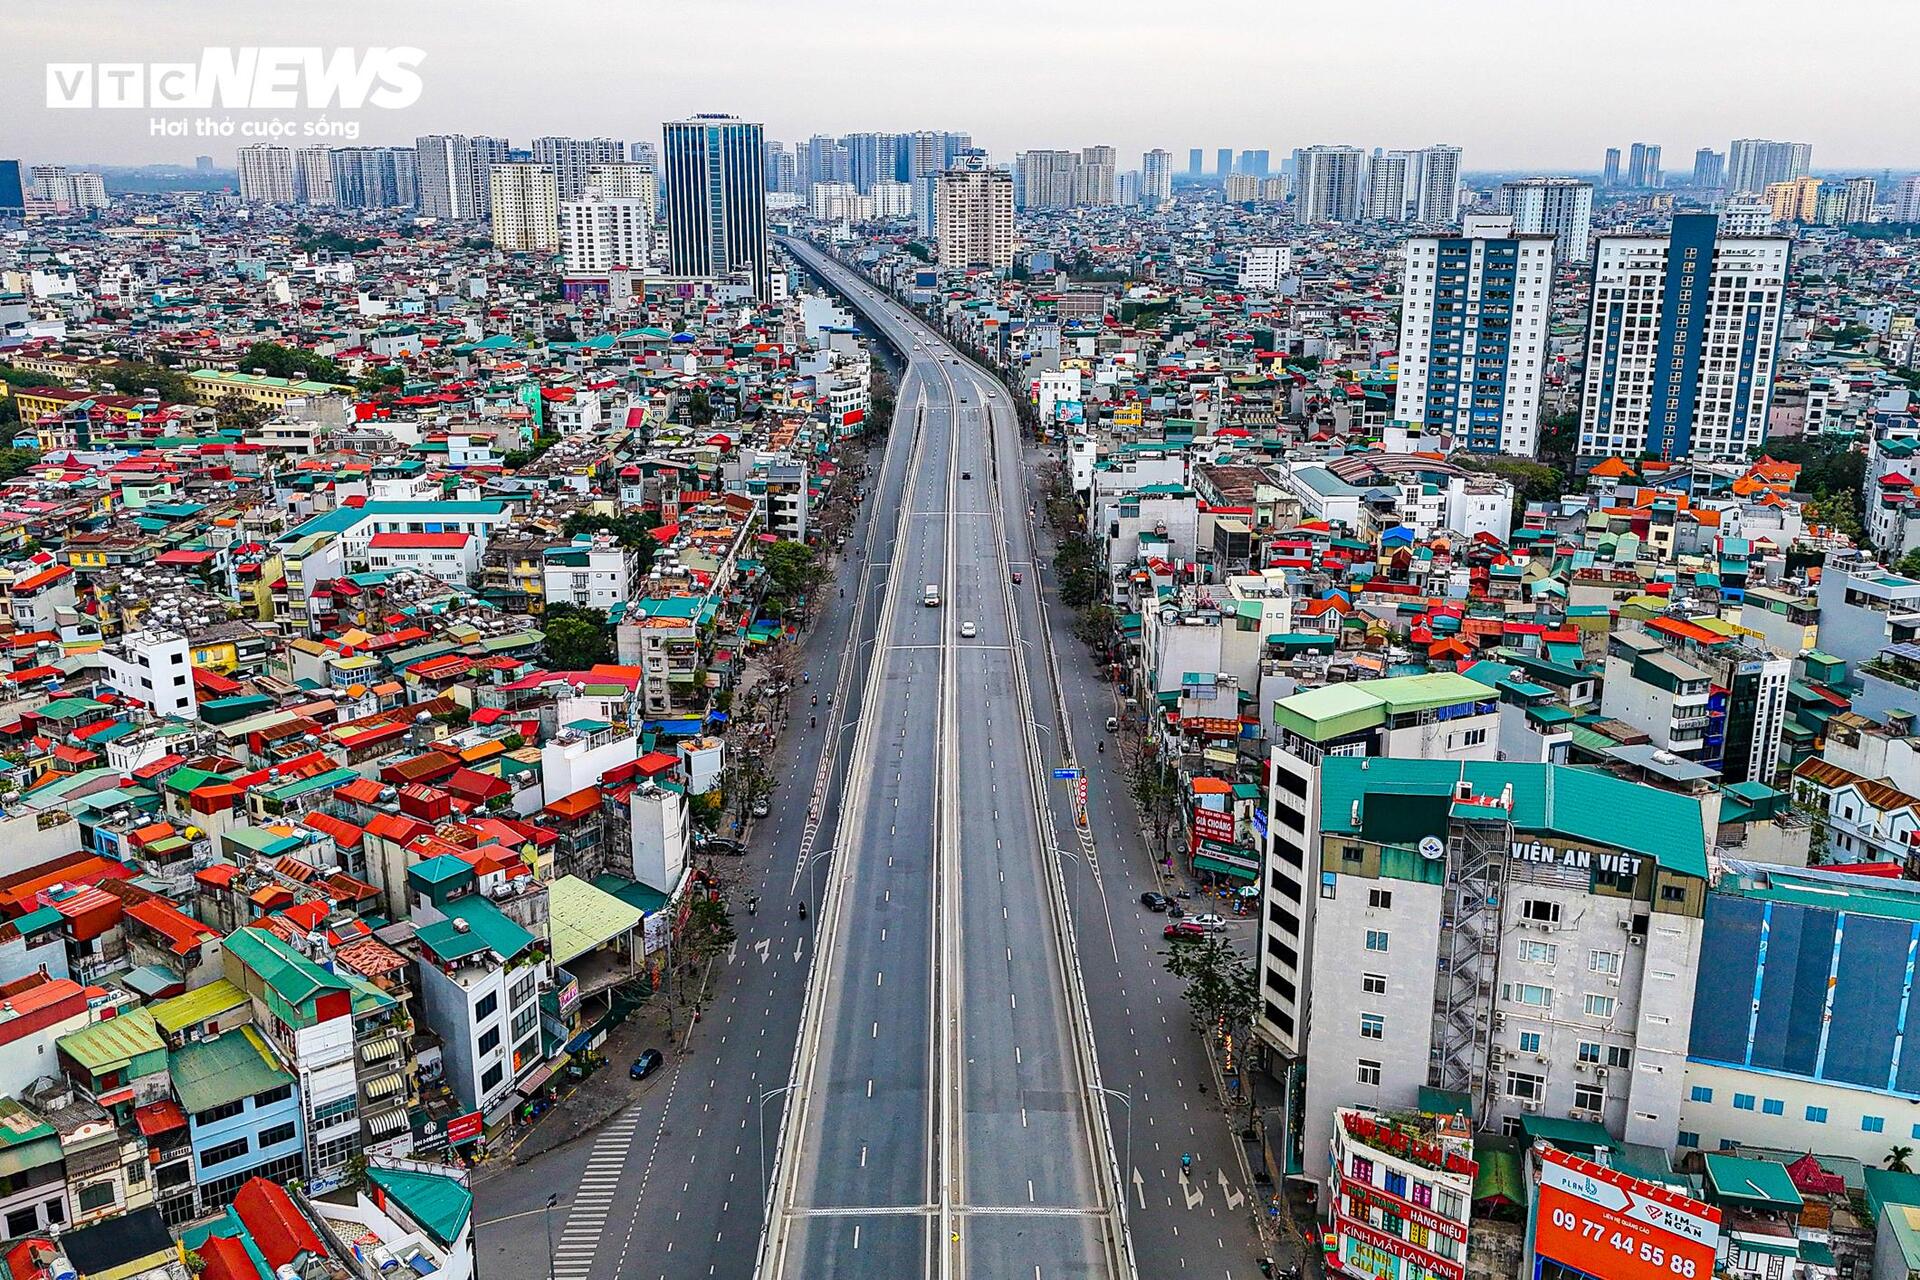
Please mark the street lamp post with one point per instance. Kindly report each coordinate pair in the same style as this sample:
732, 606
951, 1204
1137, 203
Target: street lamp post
760, 1120
1126, 1099
547, 1213
813, 881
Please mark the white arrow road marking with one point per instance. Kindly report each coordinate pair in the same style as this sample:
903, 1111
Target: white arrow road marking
798, 942
732, 949
1192, 1191
1234, 1198
1140, 1187
763, 946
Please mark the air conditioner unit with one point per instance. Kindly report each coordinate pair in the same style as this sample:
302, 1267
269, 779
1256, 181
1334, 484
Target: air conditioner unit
1599, 1073
1580, 1067
1637, 940
1575, 1113
1539, 1057
1531, 1108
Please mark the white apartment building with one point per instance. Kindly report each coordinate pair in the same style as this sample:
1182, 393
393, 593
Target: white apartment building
1906, 203
570, 158
974, 214
1262, 266
1659, 693
1328, 184
1442, 716
625, 182
1156, 178
526, 208
1754, 164
313, 177
1746, 218
1387, 187
1702, 387
1473, 337
266, 174
892, 200
1558, 207
592, 571
1439, 190
1526, 935
598, 234
152, 668
480, 981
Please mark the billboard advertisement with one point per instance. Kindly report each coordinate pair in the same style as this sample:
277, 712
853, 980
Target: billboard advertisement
1595, 1223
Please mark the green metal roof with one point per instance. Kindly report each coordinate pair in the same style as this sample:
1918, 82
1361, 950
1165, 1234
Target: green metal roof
293, 981
1335, 710
486, 928
1585, 804
582, 917
1759, 1184
210, 1073
117, 1044
439, 1204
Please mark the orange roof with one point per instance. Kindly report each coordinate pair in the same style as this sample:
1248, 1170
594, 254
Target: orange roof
583, 801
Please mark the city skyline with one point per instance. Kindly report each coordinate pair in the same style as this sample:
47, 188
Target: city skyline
985, 81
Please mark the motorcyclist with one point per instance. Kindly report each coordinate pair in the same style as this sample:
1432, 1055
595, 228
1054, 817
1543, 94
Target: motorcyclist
813, 722
803, 911
1103, 746
815, 701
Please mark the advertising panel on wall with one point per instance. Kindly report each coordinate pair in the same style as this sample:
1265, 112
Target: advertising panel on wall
1595, 1223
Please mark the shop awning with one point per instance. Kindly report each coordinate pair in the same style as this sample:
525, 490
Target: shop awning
1218, 867
539, 1076
387, 1122
385, 1047
389, 1083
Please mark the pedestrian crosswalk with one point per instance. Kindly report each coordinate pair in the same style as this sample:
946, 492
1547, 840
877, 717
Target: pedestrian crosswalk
593, 1198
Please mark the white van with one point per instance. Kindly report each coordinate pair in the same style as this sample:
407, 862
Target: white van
932, 597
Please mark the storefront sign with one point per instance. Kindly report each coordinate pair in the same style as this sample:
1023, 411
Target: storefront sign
1603, 1223
1620, 865
464, 1129
1408, 1147
1212, 825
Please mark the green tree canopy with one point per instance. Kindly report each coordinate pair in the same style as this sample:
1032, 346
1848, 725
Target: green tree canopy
575, 638
278, 361
792, 566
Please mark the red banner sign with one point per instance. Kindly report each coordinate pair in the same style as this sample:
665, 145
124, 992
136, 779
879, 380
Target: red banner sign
1211, 825
1604, 1223
466, 1128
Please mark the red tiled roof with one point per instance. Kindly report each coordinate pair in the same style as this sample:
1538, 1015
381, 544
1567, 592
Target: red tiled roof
279, 1229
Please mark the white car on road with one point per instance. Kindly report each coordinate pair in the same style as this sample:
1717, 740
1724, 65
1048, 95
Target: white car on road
968, 630
1210, 922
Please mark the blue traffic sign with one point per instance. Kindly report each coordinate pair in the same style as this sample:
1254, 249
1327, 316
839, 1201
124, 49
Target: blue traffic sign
1065, 775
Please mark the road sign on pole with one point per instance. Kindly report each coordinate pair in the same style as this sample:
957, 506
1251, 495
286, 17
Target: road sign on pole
1065, 775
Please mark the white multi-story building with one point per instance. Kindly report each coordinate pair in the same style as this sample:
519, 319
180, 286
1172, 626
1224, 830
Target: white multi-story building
526, 208
1681, 343
1045, 179
625, 182
266, 174
313, 177
1401, 1186
1443, 716
1262, 266
1754, 164
1093, 176
1387, 187
1328, 184
593, 571
892, 200
1558, 207
597, 235
570, 158
1439, 191
974, 214
1473, 337
152, 668
1156, 177
1906, 204
1746, 218
1524, 935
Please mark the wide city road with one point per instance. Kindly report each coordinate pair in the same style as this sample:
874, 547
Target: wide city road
944, 1117
672, 1186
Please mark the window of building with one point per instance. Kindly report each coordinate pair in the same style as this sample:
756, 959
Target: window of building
1396, 1183
1373, 984
1600, 1006
1538, 952
1376, 939
22, 1222
1589, 1051
1700, 1093
1372, 1026
490, 1040
1873, 1124
1540, 911
1369, 1072
276, 1135
1618, 1055
1607, 962
100, 1195
1816, 1115
1529, 993
486, 1005
213, 1115
1588, 1097
1525, 1085
221, 1154
1529, 1042
1688, 1138
1380, 898
271, 1096
491, 1080
1743, 1102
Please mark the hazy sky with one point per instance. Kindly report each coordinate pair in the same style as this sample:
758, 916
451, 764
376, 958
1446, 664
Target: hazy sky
1544, 84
